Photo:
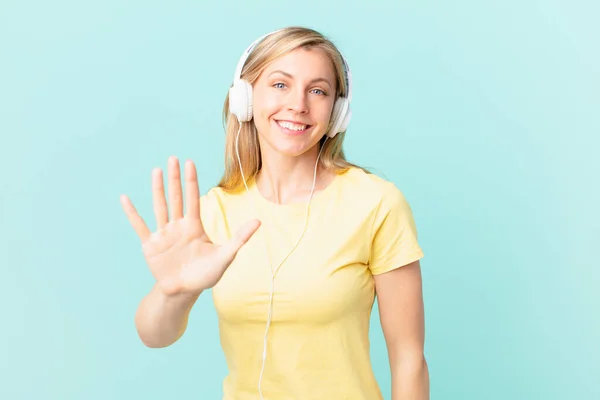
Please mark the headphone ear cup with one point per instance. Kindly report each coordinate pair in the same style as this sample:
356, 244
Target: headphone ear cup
240, 100
340, 117
346, 120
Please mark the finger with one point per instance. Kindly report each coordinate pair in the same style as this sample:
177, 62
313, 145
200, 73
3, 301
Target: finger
192, 191
136, 221
158, 199
243, 234
175, 199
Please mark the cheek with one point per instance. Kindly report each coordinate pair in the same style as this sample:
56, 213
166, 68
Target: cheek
325, 112
262, 111
264, 104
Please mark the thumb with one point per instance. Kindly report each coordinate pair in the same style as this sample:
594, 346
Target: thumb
243, 234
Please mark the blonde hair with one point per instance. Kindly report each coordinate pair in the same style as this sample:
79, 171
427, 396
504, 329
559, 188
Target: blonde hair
268, 50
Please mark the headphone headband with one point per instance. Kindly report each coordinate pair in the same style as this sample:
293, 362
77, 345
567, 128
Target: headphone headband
347, 77
246, 53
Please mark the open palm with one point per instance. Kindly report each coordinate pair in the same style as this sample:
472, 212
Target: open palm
180, 255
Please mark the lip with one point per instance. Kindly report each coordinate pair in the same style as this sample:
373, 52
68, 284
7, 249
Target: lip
292, 121
290, 132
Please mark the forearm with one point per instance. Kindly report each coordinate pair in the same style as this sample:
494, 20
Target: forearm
161, 320
410, 380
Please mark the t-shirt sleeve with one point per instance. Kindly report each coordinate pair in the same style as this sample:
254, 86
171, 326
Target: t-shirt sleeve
394, 241
211, 216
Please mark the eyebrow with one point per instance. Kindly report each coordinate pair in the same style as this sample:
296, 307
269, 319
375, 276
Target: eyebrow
291, 77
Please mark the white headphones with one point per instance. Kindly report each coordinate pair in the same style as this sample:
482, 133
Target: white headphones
240, 95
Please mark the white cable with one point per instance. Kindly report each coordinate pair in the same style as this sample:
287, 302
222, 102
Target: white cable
274, 272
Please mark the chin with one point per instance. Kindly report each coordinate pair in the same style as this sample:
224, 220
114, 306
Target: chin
290, 149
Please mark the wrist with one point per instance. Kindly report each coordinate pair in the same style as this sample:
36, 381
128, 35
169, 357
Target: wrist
175, 297
179, 297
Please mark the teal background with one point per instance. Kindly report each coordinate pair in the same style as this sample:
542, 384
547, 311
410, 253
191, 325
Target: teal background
485, 114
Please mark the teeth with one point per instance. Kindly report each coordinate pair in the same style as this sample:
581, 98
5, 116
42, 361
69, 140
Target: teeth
292, 127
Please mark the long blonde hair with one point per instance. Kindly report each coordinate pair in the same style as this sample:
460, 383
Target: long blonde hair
268, 50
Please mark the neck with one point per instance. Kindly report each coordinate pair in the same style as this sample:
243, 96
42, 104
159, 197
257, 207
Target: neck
284, 180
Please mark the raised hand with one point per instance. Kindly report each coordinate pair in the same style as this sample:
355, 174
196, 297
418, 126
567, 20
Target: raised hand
179, 253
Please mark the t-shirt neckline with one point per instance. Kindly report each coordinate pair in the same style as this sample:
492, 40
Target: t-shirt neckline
297, 206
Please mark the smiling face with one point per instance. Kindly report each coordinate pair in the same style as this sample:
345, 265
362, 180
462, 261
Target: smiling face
292, 102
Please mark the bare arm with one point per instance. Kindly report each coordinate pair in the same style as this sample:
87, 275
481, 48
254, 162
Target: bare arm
180, 255
162, 319
402, 318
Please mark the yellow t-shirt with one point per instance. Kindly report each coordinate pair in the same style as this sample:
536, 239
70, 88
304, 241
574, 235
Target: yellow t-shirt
318, 343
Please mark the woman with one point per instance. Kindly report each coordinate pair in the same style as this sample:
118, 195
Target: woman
294, 297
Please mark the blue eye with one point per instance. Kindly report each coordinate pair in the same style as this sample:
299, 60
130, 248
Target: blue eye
279, 85
320, 91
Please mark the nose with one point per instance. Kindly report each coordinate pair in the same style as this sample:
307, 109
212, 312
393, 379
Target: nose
297, 102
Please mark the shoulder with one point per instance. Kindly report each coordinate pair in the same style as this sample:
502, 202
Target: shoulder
218, 206
214, 207
372, 188
217, 197
375, 199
